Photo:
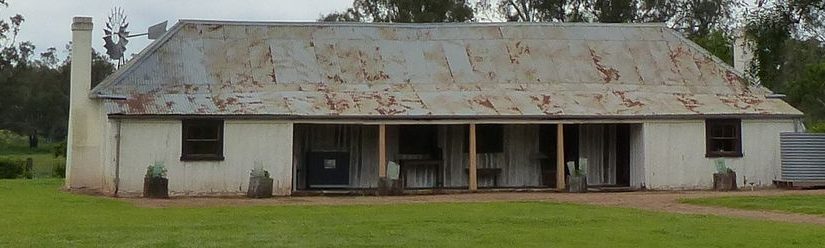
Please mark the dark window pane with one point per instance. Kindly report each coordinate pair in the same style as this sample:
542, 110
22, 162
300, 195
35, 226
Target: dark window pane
722, 145
203, 147
417, 139
203, 131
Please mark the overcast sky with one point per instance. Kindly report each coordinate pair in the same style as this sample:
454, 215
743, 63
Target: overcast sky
48, 22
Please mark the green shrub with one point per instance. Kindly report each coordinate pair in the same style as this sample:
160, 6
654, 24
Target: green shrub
11, 168
59, 149
59, 170
259, 172
156, 170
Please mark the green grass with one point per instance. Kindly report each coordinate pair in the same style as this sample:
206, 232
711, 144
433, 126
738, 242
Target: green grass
35, 213
803, 204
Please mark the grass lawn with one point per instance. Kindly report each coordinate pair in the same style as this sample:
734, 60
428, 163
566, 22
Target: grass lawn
803, 204
35, 213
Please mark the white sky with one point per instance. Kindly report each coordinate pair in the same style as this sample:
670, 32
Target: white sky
48, 22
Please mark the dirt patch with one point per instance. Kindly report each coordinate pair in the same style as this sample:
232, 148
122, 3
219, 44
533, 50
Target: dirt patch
652, 201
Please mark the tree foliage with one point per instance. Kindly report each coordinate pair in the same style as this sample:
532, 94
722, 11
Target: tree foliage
34, 88
409, 11
808, 91
788, 50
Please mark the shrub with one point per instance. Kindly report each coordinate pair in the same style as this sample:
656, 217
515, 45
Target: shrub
259, 172
11, 168
156, 170
59, 149
59, 170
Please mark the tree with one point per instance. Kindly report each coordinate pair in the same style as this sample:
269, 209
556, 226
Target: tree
34, 91
789, 53
421, 11
808, 92
615, 11
717, 43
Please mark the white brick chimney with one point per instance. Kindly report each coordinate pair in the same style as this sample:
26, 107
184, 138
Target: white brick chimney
742, 52
84, 143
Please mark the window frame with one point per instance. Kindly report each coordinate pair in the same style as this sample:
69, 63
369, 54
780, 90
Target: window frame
710, 124
187, 155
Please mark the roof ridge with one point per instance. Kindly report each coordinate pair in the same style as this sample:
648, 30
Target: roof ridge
418, 25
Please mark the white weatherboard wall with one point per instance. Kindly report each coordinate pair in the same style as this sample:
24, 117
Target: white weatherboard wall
245, 143
675, 154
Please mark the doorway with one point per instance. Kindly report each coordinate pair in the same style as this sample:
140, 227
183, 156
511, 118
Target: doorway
327, 170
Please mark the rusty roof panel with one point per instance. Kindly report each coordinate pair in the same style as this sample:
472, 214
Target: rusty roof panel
421, 70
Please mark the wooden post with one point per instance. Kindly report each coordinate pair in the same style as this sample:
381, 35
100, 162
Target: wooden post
473, 170
560, 156
382, 151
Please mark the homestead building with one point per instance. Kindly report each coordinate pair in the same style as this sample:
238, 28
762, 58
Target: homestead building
326, 106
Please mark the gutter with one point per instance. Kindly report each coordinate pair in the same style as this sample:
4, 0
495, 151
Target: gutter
290, 117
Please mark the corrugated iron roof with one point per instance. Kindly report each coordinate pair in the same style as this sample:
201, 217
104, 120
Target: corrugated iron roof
430, 70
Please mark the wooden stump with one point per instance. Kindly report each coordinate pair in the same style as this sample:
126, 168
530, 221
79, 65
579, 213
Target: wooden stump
155, 187
577, 184
389, 187
259, 187
724, 181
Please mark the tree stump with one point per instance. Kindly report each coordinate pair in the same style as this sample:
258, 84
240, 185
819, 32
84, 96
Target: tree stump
259, 187
155, 187
388, 186
724, 181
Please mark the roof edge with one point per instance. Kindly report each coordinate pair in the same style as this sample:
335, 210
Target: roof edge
469, 117
136, 60
418, 25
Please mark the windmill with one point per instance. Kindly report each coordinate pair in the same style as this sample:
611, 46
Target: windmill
116, 35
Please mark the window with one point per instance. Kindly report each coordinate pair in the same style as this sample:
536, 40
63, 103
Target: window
724, 138
202, 140
489, 139
417, 139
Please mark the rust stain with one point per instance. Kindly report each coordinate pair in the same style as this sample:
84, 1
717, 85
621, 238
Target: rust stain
336, 105
380, 76
627, 102
546, 104
388, 105
335, 78
608, 74
520, 50
741, 101
483, 101
215, 27
688, 101
674, 55
272, 76
137, 103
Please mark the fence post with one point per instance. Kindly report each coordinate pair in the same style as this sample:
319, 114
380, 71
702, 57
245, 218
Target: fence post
27, 172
